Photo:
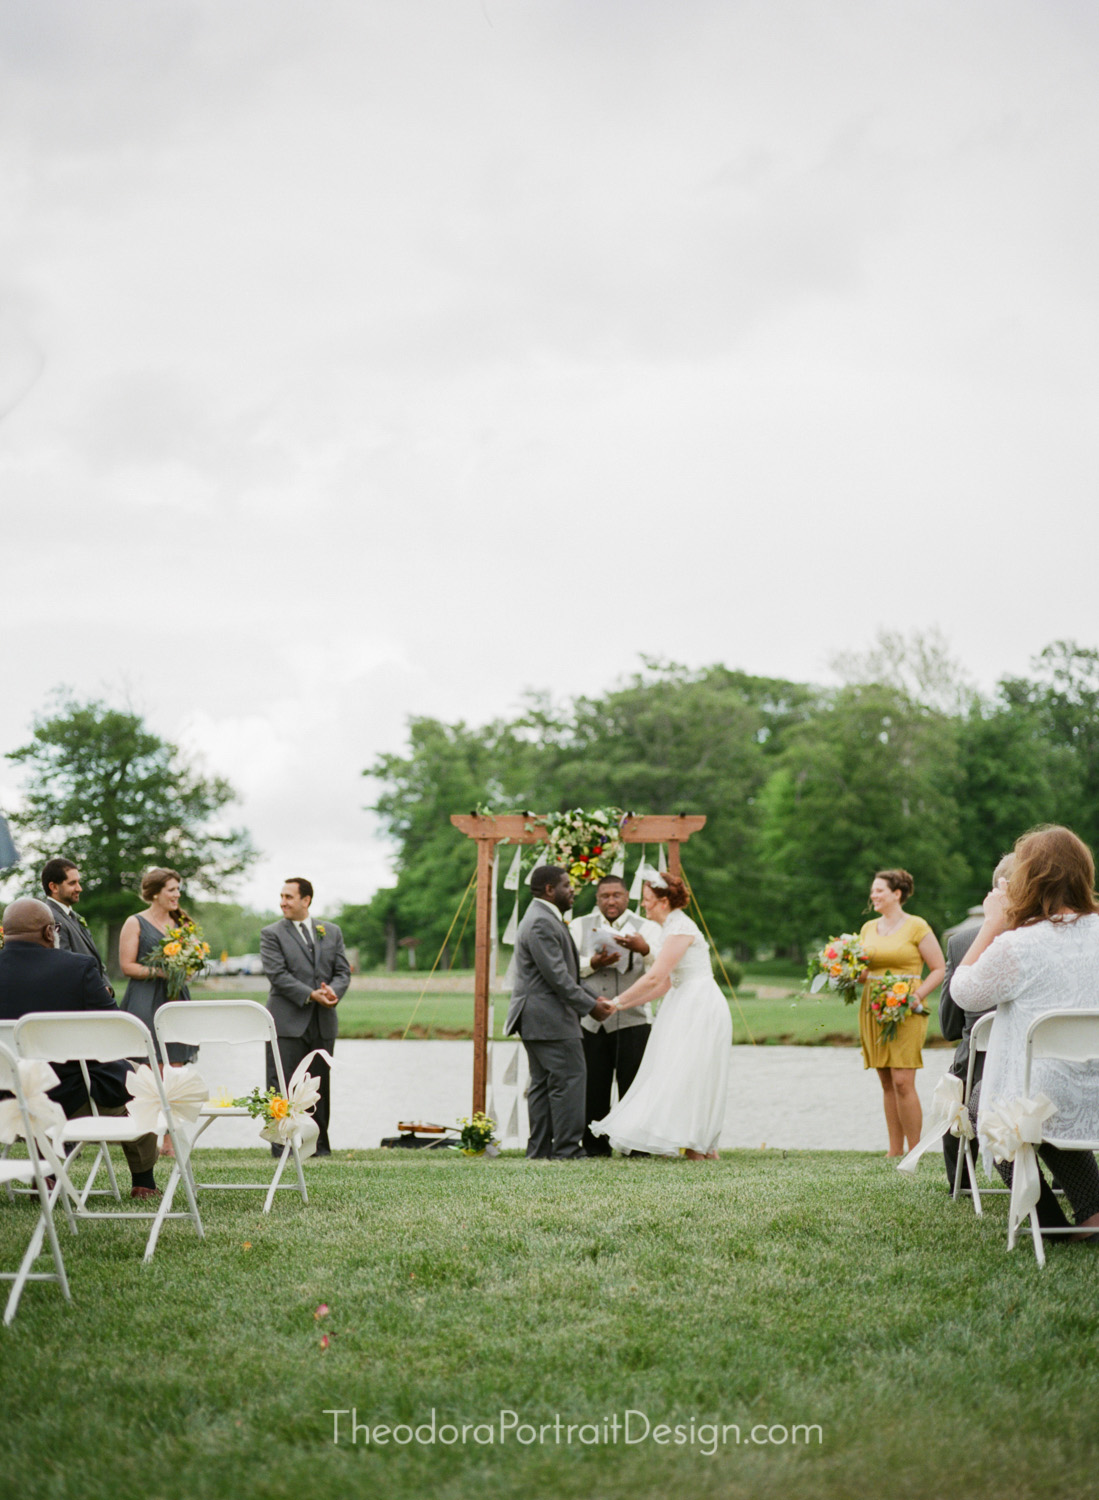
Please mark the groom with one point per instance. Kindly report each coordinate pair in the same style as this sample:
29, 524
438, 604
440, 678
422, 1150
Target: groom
546, 1005
308, 972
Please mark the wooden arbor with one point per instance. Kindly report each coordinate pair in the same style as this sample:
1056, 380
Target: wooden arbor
517, 828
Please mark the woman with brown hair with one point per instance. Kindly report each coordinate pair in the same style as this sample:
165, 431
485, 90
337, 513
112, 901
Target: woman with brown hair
901, 944
677, 1100
147, 990
1038, 950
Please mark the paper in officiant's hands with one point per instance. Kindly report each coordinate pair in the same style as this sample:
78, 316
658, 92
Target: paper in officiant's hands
606, 940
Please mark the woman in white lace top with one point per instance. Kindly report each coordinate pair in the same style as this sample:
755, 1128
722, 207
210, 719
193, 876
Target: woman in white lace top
677, 1100
1038, 950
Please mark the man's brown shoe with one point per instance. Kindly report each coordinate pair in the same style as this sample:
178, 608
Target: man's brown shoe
144, 1192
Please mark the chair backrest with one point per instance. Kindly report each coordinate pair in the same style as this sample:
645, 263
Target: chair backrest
7, 1034
196, 1021
84, 1036
982, 1030
1069, 1035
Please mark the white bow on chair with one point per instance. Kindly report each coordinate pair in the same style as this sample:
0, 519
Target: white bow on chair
185, 1091
46, 1116
302, 1095
950, 1117
1010, 1132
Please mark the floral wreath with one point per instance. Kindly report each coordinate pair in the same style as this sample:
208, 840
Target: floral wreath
586, 844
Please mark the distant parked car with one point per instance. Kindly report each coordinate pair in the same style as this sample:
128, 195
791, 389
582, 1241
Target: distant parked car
250, 963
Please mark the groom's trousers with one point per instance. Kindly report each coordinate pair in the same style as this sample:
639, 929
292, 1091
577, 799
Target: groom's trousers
555, 1099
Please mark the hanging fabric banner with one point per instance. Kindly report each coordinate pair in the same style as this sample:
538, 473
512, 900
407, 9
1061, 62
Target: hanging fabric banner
635, 888
511, 879
494, 922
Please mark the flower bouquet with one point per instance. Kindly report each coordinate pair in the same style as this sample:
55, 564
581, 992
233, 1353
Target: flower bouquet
180, 955
892, 1000
477, 1138
586, 844
838, 966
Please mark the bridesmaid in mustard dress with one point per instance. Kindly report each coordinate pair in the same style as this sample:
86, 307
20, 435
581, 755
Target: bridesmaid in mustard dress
902, 943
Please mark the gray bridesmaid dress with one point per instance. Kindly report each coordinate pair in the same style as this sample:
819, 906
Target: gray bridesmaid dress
144, 997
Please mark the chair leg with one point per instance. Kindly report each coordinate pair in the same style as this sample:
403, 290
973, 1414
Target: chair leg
280, 1168
974, 1189
1036, 1232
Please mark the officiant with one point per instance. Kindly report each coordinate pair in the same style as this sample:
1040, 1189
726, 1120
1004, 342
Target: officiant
612, 1048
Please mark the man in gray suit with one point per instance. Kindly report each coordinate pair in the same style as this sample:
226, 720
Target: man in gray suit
955, 1023
547, 1002
61, 883
308, 971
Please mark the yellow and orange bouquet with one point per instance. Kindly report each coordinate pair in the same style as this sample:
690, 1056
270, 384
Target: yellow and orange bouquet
838, 966
179, 956
892, 1001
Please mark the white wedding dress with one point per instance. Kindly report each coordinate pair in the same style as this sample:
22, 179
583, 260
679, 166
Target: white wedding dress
677, 1100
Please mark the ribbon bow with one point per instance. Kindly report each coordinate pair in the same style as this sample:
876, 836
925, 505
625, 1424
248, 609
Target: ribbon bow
302, 1095
184, 1089
36, 1078
950, 1117
1010, 1132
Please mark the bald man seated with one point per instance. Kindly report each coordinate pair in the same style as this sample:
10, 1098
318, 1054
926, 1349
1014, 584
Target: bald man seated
34, 976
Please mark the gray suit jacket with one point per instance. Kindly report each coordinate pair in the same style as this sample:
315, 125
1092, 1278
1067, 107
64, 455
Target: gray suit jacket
72, 937
954, 1022
293, 975
548, 999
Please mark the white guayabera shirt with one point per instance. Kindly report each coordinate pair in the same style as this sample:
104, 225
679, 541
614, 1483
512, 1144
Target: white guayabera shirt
615, 979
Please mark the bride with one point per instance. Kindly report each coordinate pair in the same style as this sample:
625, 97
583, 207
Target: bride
677, 1100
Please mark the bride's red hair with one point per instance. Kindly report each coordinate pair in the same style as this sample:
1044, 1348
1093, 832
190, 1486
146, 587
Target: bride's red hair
671, 889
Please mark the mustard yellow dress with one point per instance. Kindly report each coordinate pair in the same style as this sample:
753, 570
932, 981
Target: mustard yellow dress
900, 952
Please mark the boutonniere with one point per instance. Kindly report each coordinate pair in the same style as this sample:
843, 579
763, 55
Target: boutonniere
81, 920
320, 929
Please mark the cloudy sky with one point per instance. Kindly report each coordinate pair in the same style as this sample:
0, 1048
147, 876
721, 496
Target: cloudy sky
367, 358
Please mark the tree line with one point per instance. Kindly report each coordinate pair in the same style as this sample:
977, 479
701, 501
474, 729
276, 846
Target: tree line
807, 789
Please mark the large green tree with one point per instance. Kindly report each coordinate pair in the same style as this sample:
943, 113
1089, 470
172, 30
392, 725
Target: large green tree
104, 790
870, 781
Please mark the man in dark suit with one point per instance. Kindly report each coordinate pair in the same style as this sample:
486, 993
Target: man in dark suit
547, 1002
955, 1023
61, 883
34, 975
307, 969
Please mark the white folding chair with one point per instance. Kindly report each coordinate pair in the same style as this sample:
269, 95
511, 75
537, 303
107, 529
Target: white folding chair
33, 1171
978, 1042
193, 1022
1067, 1036
108, 1036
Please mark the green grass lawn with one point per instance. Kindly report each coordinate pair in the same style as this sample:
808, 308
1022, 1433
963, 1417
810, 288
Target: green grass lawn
796, 1018
772, 1290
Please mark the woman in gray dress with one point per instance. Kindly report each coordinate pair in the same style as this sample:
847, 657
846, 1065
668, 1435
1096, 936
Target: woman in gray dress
147, 990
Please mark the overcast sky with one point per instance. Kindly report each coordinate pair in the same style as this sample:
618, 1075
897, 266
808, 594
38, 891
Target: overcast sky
392, 357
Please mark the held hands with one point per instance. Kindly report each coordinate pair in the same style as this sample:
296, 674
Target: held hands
602, 1009
325, 995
